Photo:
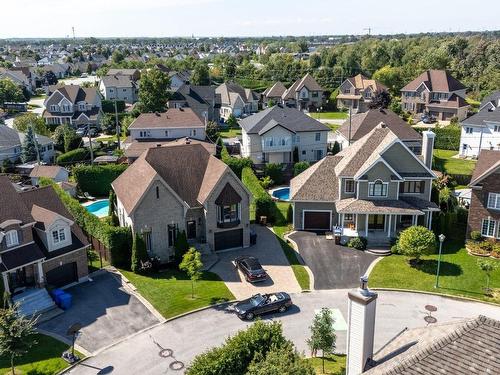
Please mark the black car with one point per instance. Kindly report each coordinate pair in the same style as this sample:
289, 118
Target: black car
260, 304
251, 268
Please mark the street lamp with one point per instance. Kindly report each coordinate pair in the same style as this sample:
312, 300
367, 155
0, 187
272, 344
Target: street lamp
441, 240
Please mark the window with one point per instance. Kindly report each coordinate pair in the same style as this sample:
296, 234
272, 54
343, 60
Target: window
145, 133
348, 217
192, 133
146, 236
58, 235
228, 214
488, 228
412, 187
11, 238
166, 133
318, 137
54, 108
303, 152
377, 189
318, 154
494, 201
81, 107
469, 130
314, 94
496, 128
66, 108
349, 186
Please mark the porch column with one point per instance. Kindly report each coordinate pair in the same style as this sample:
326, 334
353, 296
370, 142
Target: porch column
5, 282
413, 219
366, 226
389, 227
342, 220
430, 219
40, 272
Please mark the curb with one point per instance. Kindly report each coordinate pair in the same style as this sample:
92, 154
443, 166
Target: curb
372, 265
64, 340
301, 260
450, 296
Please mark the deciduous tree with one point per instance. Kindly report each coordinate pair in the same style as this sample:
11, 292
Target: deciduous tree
153, 91
322, 334
192, 265
417, 241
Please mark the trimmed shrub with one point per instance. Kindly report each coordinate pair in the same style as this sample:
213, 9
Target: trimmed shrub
139, 254
289, 214
300, 167
358, 243
476, 235
266, 181
274, 171
75, 156
97, 179
417, 241
181, 246
447, 138
264, 205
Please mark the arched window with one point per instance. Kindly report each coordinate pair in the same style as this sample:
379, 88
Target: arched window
11, 238
378, 188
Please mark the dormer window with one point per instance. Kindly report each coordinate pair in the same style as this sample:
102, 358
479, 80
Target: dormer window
58, 235
11, 238
377, 189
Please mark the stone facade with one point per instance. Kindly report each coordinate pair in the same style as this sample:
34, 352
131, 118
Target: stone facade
478, 208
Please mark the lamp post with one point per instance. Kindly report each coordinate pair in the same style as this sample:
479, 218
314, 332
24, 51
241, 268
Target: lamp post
441, 240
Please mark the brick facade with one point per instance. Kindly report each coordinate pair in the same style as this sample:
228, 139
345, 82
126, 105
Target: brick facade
478, 207
78, 256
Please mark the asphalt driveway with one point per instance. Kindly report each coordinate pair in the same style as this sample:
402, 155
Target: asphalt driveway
333, 266
273, 260
106, 311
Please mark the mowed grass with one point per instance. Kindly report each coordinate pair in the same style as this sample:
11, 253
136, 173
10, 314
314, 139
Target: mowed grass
459, 274
230, 133
334, 364
44, 358
169, 291
443, 160
329, 115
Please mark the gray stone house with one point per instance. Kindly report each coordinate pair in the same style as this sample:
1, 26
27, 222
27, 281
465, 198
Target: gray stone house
373, 189
183, 188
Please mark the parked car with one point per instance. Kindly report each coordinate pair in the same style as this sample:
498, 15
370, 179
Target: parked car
260, 304
427, 119
84, 75
251, 268
82, 132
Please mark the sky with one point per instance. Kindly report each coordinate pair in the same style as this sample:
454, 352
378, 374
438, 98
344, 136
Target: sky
171, 18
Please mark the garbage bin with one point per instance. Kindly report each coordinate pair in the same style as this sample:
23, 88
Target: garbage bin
56, 294
66, 301
337, 239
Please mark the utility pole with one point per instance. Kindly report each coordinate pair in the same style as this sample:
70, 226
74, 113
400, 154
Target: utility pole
90, 145
369, 29
350, 121
118, 132
73, 30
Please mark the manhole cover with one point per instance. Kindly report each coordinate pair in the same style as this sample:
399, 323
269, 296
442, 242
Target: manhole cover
176, 366
165, 353
430, 319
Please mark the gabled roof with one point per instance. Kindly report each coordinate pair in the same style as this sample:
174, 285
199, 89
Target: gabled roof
435, 80
363, 123
290, 118
275, 91
483, 117
271, 124
307, 81
121, 81
73, 93
230, 92
45, 218
362, 83
8, 138
488, 162
493, 100
50, 171
123, 72
172, 118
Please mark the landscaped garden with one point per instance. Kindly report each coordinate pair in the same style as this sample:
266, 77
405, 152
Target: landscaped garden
329, 115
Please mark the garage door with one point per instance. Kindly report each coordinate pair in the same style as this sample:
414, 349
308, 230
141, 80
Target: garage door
317, 220
228, 239
62, 275
447, 115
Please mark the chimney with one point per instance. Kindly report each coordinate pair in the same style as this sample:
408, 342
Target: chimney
361, 329
428, 147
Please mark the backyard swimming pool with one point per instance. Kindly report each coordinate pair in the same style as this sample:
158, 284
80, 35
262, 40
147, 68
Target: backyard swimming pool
283, 194
98, 208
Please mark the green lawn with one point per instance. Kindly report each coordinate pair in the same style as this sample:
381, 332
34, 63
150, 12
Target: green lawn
95, 262
334, 364
443, 161
459, 274
230, 133
329, 115
44, 358
169, 291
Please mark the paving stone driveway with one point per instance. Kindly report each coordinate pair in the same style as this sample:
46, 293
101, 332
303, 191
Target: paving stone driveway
106, 311
333, 266
272, 258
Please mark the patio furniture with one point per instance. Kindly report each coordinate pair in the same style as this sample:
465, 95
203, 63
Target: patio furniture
89, 197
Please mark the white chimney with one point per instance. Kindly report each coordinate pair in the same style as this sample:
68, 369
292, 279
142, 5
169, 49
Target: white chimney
361, 329
428, 147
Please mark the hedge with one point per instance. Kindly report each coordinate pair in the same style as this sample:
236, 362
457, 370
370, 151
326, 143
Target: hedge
97, 179
447, 138
108, 106
74, 156
264, 205
116, 239
274, 171
236, 164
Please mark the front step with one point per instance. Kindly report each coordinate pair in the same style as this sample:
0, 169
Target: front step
34, 302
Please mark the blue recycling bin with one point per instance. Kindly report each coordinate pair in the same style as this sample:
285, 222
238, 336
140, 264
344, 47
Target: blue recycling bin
56, 293
66, 301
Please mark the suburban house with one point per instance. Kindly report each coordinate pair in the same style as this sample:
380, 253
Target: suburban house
283, 135
201, 99
40, 244
11, 145
484, 212
178, 79
183, 188
361, 124
236, 100
73, 105
272, 95
304, 94
358, 92
54, 172
436, 93
172, 124
374, 188
133, 74
119, 87
19, 78
481, 131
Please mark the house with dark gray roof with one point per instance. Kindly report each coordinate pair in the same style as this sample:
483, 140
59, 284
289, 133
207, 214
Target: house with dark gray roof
183, 188
119, 87
282, 135
273, 94
304, 94
203, 100
73, 105
236, 100
11, 142
481, 131
40, 244
372, 189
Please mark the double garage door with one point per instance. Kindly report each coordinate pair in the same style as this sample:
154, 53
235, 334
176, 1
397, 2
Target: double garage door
228, 239
317, 220
62, 275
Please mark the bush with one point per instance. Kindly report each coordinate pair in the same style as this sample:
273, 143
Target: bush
266, 181
300, 167
476, 235
264, 205
108, 106
274, 172
289, 214
447, 138
416, 241
75, 156
358, 243
231, 121
236, 164
181, 246
97, 179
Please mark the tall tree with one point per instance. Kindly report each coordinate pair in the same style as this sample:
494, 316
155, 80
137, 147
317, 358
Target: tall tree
322, 334
31, 120
201, 75
192, 265
153, 91
29, 147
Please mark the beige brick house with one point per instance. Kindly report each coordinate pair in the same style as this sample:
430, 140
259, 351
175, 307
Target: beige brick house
183, 188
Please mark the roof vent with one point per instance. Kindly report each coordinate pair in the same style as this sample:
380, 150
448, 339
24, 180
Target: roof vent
188, 141
383, 125
181, 109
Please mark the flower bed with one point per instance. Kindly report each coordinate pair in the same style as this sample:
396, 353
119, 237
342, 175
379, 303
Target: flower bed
485, 248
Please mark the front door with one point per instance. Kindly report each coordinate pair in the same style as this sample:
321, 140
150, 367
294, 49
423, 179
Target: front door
376, 222
191, 229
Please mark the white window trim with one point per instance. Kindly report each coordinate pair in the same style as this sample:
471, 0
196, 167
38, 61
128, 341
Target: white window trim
11, 238
383, 183
489, 220
497, 201
345, 186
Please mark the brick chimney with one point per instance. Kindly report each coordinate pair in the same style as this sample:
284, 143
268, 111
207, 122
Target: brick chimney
361, 328
428, 147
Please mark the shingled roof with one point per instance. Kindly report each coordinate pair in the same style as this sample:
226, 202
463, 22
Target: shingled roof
487, 162
362, 83
435, 80
307, 81
172, 118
